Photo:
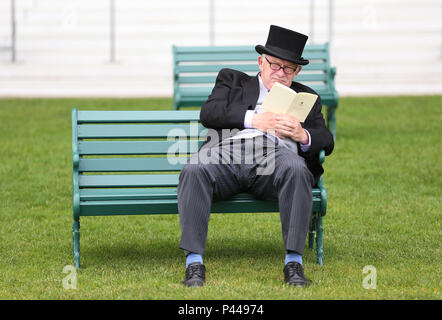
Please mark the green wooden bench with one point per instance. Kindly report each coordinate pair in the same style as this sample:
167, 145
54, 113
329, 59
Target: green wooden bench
195, 70
121, 167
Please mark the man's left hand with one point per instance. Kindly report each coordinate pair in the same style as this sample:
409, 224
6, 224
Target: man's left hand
290, 127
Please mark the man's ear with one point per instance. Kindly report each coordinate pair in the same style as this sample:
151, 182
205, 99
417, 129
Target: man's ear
260, 62
298, 70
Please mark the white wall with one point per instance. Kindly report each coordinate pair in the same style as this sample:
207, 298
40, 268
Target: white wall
63, 47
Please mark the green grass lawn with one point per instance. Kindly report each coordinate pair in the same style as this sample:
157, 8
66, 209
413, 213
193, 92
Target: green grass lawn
384, 209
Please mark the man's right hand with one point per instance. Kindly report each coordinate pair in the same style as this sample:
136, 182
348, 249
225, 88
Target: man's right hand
283, 126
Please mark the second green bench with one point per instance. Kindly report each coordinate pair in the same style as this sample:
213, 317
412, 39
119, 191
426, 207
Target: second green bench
195, 70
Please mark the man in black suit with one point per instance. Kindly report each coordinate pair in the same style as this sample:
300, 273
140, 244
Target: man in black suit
291, 147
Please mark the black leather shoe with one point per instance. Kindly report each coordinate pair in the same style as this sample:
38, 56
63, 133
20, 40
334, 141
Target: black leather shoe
195, 275
294, 275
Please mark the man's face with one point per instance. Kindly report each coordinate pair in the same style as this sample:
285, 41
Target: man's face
270, 76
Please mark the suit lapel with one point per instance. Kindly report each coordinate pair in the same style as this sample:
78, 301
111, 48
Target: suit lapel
250, 91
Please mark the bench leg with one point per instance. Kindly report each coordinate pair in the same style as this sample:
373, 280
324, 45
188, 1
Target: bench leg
76, 242
311, 234
319, 231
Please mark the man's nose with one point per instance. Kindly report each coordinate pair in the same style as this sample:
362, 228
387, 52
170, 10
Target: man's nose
280, 73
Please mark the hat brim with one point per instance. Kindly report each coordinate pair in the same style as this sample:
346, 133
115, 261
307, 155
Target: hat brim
281, 54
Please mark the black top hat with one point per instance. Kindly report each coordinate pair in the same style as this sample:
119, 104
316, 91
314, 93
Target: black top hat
284, 44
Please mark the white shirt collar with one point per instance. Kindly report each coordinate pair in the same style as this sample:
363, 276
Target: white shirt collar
262, 87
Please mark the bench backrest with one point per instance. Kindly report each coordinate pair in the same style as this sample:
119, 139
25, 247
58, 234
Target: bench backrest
130, 149
128, 162
196, 68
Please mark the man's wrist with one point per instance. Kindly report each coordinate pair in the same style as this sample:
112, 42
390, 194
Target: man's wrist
248, 119
306, 140
306, 147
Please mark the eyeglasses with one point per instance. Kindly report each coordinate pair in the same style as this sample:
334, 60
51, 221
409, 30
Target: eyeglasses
274, 66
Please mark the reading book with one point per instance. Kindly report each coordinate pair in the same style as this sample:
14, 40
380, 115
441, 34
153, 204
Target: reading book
281, 99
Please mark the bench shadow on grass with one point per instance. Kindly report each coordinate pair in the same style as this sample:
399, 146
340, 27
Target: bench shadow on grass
166, 252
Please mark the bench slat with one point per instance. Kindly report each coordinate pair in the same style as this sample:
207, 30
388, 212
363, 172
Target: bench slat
253, 67
318, 77
142, 194
129, 180
153, 194
165, 206
138, 131
137, 147
137, 116
226, 56
128, 207
201, 93
211, 49
127, 194
210, 80
131, 164
241, 203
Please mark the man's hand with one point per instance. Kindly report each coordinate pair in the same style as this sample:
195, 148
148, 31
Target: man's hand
289, 126
265, 122
281, 125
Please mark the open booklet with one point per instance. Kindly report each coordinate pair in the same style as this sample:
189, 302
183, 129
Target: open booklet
283, 100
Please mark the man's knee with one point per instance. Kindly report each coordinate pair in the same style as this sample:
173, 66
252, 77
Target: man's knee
294, 167
192, 171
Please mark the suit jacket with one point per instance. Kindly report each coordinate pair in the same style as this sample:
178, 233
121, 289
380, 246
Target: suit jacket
236, 92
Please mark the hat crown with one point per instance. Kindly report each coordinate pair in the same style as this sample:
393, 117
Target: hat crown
286, 39
284, 44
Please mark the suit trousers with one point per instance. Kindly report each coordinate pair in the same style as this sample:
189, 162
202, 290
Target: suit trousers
256, 166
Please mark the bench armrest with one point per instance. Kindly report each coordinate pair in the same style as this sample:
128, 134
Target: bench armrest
321, 157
